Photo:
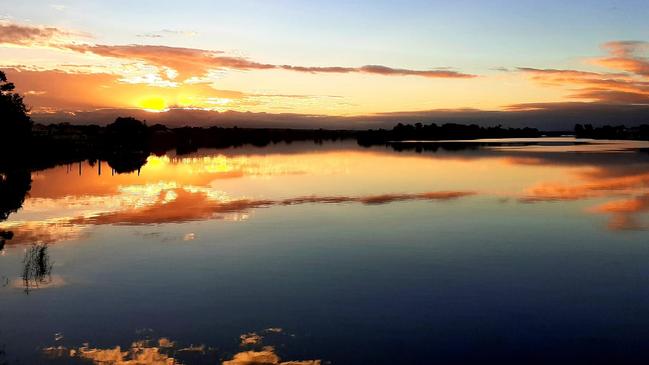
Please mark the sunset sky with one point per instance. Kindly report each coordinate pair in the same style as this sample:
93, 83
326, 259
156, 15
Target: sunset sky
328, 58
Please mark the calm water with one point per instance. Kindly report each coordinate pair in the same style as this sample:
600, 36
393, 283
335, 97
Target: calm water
336, 254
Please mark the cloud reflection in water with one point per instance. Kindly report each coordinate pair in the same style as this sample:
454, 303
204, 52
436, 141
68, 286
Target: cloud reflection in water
163, 351
229, 185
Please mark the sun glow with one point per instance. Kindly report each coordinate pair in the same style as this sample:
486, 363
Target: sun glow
153, 104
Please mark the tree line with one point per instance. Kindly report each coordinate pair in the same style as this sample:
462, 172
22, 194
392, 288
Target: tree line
127, 142
640, 132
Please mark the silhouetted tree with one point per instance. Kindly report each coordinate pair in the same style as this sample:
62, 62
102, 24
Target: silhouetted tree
128, 133
15, 131
15, 124
433, 132
640, 132
127, 144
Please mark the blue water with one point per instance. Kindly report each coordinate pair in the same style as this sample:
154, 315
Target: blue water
486, 278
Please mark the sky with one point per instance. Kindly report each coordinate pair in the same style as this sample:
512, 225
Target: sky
343, 61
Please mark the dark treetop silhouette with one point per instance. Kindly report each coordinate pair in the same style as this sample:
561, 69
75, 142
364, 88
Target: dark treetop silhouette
15, 124
449, 131
15, 131
640, 132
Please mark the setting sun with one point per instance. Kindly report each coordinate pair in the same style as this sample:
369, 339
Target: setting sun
153, 104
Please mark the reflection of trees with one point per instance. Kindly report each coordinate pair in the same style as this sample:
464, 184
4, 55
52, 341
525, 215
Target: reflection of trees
126, 145
4, 236
438, 146
14, 185
127, 161
37, 266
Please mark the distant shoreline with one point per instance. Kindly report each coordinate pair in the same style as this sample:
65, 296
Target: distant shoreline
127, 142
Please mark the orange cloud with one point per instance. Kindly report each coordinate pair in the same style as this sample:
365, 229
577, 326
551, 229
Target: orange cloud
266, 356
390, 198
626, 57
140, 352
190, 206
634, 205
556, 192
596, 185
190, 62
598, 87
378, 70
628, 87
377, 199
186, 61
49, 231
164, 352
197, 62
187, 206
23, 35
624, 213
603, 182
52, 90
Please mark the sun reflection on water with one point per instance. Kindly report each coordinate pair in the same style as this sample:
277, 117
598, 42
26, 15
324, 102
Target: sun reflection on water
225, 185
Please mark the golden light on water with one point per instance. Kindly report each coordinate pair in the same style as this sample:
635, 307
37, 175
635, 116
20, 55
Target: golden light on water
228, 184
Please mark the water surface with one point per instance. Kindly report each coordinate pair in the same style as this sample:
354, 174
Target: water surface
503, 251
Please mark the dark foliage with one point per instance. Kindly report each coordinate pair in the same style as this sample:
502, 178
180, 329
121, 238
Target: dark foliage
126, 143
15, 124
612, 132
126, 133
434, 132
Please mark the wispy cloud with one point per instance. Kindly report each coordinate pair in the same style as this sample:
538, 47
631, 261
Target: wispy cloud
186, 33
188, 206
148, 35
58, 7
74, 88
626, 56
593, 86
24, 35
178, 205
378, 70
629, 85
197, 62
624, 213
626, 184
594, 186
192, 62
